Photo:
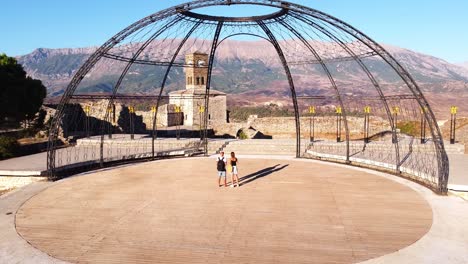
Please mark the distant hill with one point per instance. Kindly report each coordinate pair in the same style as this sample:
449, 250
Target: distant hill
251, 70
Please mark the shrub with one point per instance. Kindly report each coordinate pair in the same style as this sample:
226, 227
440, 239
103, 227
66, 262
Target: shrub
8, 147
243, 135
242, 113
409, 127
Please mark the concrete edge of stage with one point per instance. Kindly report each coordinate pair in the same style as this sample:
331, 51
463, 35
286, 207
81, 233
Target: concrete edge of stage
444, 243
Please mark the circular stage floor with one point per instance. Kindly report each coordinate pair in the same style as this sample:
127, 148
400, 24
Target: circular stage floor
286, 211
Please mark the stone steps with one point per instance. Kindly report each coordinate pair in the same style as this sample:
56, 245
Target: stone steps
263, 147
215, 145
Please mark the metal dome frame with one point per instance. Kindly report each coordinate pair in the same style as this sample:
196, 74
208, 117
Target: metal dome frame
299, 12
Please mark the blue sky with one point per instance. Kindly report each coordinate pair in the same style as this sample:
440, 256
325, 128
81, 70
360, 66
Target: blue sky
438, 28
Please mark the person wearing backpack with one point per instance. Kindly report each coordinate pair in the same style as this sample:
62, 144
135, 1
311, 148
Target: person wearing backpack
221, 167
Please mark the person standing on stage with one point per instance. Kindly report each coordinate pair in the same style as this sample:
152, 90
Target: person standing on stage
221, 167
233, 162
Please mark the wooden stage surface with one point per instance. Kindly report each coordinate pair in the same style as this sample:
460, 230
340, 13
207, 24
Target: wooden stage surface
286, 211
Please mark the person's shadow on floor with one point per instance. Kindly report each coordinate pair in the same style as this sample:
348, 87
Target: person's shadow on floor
260, 174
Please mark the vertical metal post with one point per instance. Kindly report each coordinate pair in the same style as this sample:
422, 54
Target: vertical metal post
214, 45
154, 111
423, 126
366, 124
311, 123
87, 108
453, 120
131, 112
109, 122
338, 124
313, 127
396, 111
310, 128
201, 110
366, 128
178, 111
452, 126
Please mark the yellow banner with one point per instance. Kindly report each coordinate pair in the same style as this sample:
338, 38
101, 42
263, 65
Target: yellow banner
338, 110
311, 109
453, 110
367, 109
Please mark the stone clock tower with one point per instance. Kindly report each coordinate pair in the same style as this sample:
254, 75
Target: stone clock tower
189, 100
197, 74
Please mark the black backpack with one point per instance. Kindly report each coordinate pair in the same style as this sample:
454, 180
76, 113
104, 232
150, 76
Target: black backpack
221, 166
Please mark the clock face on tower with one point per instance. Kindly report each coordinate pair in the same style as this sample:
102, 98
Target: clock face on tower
190, 62
201, 63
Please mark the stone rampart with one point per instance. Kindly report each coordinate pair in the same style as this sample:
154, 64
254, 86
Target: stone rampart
285, 127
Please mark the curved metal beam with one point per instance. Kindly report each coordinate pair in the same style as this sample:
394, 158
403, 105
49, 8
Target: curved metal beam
81, 73
142, 62
214, 45
242, 34
330, 78
442, 158
369, 75
291, 84
332, 60
280, 13
124, 73
163, 84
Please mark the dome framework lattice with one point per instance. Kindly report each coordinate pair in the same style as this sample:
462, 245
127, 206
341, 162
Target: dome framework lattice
304, 41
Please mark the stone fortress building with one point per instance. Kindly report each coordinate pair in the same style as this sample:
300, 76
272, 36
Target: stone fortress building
190, 102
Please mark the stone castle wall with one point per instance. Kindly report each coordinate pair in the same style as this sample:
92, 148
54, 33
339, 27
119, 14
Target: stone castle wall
119, 116
217, 110
190, 106
285, 127
190, 110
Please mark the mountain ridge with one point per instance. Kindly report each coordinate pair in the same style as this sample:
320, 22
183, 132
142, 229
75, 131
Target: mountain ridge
251, 68
57, 66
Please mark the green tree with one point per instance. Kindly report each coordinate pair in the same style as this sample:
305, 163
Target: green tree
8, 147
20, 95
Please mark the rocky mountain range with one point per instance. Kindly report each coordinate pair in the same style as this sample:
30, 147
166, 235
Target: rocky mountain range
252, 73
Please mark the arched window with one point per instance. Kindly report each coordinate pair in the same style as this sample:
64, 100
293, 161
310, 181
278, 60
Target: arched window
202, 80
198, 80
